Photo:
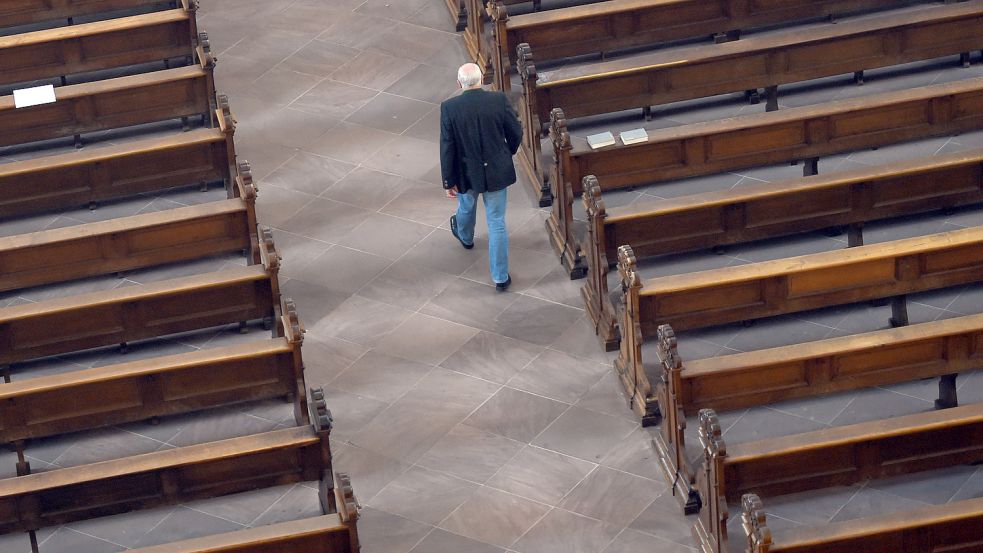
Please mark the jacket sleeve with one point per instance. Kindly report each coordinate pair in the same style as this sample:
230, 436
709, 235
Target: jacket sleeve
448, 152
513, 128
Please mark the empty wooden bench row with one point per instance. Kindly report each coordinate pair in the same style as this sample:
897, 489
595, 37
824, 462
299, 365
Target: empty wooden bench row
180, 93
23, 12
603, 27
116, 317
746, 213
60, 52
667, 389
29, 503
134, 242
764, 61
836, 457
805, 133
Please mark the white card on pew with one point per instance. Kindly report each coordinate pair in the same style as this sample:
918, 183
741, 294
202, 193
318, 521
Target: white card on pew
600, 140
27, 97
634, 136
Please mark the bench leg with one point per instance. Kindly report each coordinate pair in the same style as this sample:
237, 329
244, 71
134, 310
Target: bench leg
64, 80
78, 142
23, 466
93, 206
810, 167
203, 186
947, 392
855, 235
964, 59
771, 93
729, 36
5, 373
34, 542
185, 124
858, 78
267, 323
124, 348
243, 327
752, 96
899, 311
647, 113
167, 64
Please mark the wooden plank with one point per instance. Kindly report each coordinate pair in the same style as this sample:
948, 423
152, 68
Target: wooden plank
763, 211
755, 140
757, 62
23, 12
134, 313
134, 40
129, 243
113, 103
96, 175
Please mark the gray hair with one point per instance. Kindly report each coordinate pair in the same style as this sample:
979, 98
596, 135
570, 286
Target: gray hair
469, 75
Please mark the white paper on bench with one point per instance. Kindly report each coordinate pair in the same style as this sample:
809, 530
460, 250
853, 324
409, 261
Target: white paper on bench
600, 140
27, 97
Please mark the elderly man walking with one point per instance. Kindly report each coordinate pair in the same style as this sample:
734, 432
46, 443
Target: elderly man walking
479, 134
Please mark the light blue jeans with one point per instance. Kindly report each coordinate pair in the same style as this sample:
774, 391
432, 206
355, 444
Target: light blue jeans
498, 236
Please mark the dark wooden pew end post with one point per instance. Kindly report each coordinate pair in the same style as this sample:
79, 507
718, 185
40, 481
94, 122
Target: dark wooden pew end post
594, 292
628, 364
323, 421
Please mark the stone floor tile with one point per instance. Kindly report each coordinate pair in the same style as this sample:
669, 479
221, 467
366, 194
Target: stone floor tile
427, 128
412, 158
492, 357
281, 86
241, 508
220, 424
390, 113
367, 188
309, 173
423, 495
358, 31
559, 376
565, 532
612, 496
381, 532
319, 58
516, 415
557, 287
342, 270
425, 339
373, 70
325, 220
535, 320
777, 331
632, 541
381, 377
314, 302
636, 455
584, 434
869, 501
874, 403
406, 285
359, 320
125, 529
65, 540
936, 486
424, 84
470, 453
275, 206
352, 412
349, 142
540, 474
326, 358
386, 236
405, 432
526, 268
663, 518
495, 517
105, 444
447, 392
469, 303
370, 471
183, 524
440, 541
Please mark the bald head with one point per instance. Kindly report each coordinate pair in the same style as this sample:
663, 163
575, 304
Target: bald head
469, 76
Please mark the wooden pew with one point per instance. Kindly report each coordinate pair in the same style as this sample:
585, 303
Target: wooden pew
179, 93
157, 387
134, 242
477, 41
111, 317
956, 527
670, 390
59, 52
805, 133
23, 12
618, 24
829, 457
334, 533
765, 61
756, 290
94, 175
29, 503
714, 219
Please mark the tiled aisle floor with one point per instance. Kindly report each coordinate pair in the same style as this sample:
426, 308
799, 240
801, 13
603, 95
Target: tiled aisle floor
471, 421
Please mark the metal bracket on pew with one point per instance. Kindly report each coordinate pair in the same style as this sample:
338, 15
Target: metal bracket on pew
559, 224
531, 148
711, 525
321, 417
755, 524
595, 291
670, 441
628, 364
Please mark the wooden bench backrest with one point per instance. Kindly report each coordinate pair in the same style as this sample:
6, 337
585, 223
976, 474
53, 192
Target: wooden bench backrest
607, 26
23, 12
781, 286
138, 312
765, 211
110, 104
96, 46
160, 386
134, 242
165, 477
954, 527
829, 457
335, 533
95, 175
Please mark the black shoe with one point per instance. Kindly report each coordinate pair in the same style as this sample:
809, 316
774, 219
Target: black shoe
503, 286
454, 232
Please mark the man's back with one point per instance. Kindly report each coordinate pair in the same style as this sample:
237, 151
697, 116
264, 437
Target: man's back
479, 135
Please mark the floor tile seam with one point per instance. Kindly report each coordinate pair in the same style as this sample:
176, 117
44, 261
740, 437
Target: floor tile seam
902, 394
206, 513
390, 404
330, 382
628, 529
121, 429
69, 528
961, 488
856, 492
170, 512
391, 264
354, 166
252, 523
283, 59
771, 407
580, 396
320, 79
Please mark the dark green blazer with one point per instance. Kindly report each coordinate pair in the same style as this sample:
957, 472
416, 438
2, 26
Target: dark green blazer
479, 134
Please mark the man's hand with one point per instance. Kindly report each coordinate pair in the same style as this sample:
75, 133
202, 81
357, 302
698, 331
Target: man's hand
452, 192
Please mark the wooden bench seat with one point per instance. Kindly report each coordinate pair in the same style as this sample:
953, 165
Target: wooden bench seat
179, 93
765, 61
134, 242
805, 133
156, 387
617, 24
954, 527
111, 317
95, 175
62, 51
768, 210
333, 533
669, 390
825, 458
29, 503
472, 17
23, 12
